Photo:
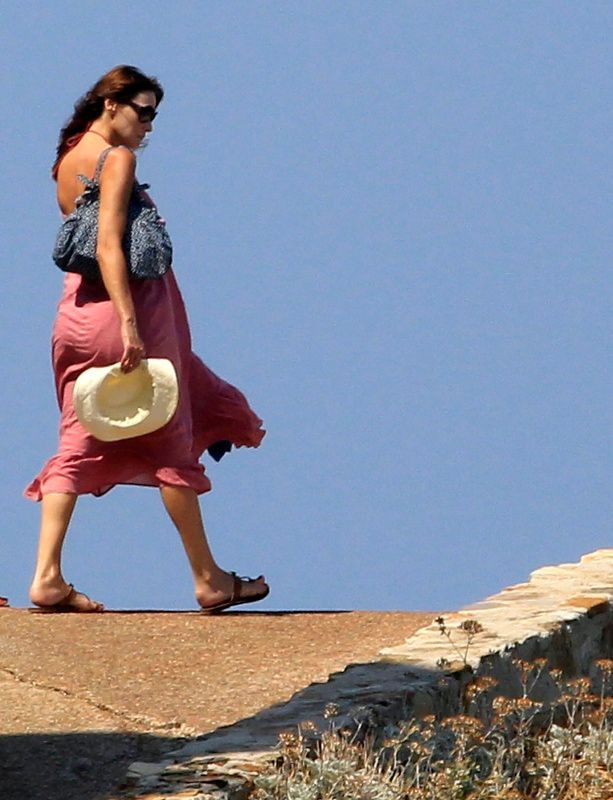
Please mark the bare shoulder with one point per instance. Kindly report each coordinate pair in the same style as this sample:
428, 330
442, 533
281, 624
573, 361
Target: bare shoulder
120, 165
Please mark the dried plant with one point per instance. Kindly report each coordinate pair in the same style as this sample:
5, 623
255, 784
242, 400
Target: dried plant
469, 629
519, 750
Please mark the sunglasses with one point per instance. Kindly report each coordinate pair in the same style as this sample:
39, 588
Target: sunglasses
144, 113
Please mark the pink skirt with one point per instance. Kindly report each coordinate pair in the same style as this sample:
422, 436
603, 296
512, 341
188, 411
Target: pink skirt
86, 334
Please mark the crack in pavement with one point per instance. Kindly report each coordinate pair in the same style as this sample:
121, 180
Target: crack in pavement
147, 723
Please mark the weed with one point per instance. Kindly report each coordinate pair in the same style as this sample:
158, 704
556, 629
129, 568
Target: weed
469, 629
519, 749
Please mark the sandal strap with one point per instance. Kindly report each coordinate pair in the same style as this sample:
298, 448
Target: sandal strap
71, 592
238, 584
236, 587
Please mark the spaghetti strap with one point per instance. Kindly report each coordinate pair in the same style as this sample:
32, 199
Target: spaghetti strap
93, 183
101, 159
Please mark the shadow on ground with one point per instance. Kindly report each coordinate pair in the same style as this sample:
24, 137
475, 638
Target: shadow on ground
93, 765
73, 766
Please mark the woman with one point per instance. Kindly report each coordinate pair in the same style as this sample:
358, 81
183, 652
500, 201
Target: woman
121, 320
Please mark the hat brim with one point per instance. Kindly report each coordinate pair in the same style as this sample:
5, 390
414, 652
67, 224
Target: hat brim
113, 405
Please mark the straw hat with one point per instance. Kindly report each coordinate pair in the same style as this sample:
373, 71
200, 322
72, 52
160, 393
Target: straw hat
114, 405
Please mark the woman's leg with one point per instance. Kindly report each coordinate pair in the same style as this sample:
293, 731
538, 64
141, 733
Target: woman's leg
48, 585
211, 583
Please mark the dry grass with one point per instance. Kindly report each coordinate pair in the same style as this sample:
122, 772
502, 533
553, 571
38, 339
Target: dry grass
500, 748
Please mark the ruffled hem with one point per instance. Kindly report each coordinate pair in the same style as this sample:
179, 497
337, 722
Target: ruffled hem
219, 411
90, 476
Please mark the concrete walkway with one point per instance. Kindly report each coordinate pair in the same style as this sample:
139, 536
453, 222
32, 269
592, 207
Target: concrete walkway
83, 696
89, 701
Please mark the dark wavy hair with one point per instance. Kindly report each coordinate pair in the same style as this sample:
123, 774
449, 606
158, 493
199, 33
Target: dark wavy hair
121, 83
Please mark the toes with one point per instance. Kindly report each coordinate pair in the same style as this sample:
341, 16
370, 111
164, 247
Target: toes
84, 603
93, 605
253, 587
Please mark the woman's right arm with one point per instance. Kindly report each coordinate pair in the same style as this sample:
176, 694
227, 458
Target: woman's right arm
116, 182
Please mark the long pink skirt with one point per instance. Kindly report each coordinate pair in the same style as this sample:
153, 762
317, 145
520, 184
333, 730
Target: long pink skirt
86, 334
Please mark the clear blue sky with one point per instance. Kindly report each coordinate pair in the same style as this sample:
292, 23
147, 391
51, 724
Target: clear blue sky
392, 227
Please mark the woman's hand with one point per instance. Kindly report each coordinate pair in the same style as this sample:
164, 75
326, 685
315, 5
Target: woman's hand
133, 347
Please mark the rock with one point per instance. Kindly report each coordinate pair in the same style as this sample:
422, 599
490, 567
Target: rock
144, 769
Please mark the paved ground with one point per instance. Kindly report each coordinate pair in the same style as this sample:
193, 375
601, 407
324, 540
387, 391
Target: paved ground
83, 696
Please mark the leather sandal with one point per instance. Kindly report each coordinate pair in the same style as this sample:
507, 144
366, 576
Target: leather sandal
235, 598
63, 606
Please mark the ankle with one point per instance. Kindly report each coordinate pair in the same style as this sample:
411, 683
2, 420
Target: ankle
208, 577
49, 576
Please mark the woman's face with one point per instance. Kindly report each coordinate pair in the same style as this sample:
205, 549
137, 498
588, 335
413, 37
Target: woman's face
133, 120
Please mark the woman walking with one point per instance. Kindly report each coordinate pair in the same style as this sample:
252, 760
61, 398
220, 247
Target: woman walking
120, 319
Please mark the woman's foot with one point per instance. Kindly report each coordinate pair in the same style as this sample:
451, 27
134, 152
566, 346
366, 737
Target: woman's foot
226, 588
61, 596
